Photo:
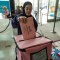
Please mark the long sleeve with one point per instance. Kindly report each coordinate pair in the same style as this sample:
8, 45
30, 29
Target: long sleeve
35, 23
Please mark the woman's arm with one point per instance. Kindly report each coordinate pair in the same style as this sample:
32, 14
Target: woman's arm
35, 23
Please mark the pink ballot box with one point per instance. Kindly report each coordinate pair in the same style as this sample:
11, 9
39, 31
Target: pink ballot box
27, 27
34, 49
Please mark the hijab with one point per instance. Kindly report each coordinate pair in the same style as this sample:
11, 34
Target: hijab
24, 5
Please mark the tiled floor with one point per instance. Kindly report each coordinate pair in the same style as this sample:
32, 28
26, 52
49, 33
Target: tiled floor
7, 46
47, 30
7, 52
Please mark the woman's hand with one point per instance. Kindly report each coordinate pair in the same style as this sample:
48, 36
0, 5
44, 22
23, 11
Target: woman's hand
22, 19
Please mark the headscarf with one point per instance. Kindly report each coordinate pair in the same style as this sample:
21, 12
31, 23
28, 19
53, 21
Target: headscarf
24, 5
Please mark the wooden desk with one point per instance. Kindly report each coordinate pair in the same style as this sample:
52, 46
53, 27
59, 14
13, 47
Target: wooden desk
25, 47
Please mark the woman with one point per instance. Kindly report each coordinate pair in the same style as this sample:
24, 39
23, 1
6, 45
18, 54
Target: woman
27, 9
6, 12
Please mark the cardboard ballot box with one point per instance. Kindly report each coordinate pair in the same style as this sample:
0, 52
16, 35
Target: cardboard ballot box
27, 27
34, 49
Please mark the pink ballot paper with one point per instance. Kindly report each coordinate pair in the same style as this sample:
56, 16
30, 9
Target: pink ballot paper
27, 27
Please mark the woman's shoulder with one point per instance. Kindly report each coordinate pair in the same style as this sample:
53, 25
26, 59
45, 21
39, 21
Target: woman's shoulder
33, 17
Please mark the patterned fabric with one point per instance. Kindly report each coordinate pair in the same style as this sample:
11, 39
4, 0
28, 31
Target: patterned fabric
55, 54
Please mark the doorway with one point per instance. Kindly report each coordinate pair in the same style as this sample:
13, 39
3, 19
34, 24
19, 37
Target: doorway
47, 11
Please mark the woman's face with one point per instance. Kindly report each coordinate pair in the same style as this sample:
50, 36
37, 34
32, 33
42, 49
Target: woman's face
28, 10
